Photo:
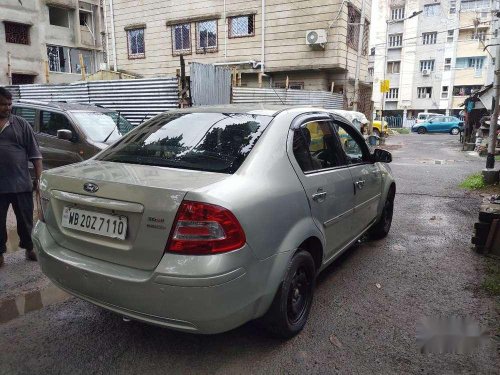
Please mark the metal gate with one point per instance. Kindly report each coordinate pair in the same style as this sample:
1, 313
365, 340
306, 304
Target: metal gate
210, 84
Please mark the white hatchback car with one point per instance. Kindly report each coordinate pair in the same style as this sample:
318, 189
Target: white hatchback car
203, 219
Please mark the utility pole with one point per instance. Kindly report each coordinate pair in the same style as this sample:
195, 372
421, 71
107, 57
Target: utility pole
358, 56
490, 159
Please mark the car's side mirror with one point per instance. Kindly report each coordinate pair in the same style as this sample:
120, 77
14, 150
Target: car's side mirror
381, 156
65, 134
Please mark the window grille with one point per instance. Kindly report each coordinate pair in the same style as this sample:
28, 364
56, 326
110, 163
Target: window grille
395, 40
136, 47
424, 92
17, 33
353, 26
427, 64
429, 38
397, 14
241, 26
207, 35
392, 94
181, 35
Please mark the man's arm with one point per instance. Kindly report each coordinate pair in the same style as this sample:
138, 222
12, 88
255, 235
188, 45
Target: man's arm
37, 163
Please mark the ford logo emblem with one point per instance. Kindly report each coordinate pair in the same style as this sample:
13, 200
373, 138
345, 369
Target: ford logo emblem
90, 187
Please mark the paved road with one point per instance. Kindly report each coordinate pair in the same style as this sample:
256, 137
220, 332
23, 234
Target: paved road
424, 268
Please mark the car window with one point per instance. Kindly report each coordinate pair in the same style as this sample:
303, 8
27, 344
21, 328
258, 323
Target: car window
101, 127
437, 119
353, 146
315, 146
215, 142
28, 114
51, 122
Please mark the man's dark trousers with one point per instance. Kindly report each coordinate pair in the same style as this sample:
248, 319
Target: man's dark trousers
22, 203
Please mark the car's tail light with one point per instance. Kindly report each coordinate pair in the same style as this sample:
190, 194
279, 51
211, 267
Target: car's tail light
42, 208
204, 229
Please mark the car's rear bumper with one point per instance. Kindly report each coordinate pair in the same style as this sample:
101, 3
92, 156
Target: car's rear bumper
208, 304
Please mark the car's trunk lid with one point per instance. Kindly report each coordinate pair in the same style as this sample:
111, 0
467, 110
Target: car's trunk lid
147, 197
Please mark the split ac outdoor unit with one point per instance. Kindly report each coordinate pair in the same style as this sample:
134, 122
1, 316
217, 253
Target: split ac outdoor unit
316, 37
426, 72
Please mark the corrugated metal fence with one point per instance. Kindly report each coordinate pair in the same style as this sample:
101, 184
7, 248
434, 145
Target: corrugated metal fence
136, 99
325, 99
210, 84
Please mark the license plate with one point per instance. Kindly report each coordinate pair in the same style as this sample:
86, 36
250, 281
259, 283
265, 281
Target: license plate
94, 222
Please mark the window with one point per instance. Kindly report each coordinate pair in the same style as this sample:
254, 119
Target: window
351, 144
447, 64
181, 38
353, 26
469, 62
395, 40
480, 34
57, 59
316, 147
370, 72
207, 35
291, 85
424, 92
136, 48
85, 14
17, 33
450, 37
58, 16
444, 92
241, 26
392, 94
26, 113
432, 9
453, 6
213, 142
393, 67
467, 5
465, 90
22, 79
429, 38
51, 122
427, 65
397, 14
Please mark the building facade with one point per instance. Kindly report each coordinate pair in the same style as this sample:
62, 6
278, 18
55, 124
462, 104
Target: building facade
433, 59
50, 41
305, 44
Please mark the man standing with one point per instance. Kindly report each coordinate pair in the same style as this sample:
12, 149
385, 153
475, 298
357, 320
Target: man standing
17, 146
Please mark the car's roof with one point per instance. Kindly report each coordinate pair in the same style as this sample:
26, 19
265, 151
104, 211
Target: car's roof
62, 105
255, 109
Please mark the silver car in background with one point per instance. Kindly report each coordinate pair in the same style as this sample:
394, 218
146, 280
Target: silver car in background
203, 219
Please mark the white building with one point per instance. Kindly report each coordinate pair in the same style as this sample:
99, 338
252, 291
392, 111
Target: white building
434, 59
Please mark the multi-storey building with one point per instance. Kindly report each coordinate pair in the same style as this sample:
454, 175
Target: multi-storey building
309, 44
49, 40
433, 59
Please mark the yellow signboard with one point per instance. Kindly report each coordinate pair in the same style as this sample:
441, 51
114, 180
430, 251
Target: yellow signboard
384, 85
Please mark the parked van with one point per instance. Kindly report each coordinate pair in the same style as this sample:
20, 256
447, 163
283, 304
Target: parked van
71, 132
424, 116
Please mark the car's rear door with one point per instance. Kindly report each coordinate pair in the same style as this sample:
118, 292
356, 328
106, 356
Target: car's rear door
57, 152
366, 177
327, 182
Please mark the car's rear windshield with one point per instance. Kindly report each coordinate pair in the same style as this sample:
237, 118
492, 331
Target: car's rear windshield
215, 142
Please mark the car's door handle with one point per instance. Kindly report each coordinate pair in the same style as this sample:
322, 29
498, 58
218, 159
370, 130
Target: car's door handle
360, 184
319, 196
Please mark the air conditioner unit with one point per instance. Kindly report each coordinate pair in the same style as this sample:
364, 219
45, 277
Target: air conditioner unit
426, 72
316, 37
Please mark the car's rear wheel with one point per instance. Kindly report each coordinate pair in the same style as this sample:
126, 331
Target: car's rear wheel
454, 131
383, 226
422, 130
289, 311
376, 132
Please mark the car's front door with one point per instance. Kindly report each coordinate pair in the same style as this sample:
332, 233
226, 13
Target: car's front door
366, 176
438, 124
56, 151
314, 152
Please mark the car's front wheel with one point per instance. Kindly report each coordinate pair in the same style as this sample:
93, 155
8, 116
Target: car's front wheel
290, 308
422, 130
454, 131
382, 227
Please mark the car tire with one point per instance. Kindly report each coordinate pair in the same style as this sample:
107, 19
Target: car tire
454, 131
376, 132
382, 227
422, 130
290, 308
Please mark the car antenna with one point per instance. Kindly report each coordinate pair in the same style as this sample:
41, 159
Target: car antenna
278, 95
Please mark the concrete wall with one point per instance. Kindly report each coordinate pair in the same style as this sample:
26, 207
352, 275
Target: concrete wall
285, 31
30, 59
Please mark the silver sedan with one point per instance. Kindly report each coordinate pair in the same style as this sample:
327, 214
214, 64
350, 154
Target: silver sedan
203, 219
